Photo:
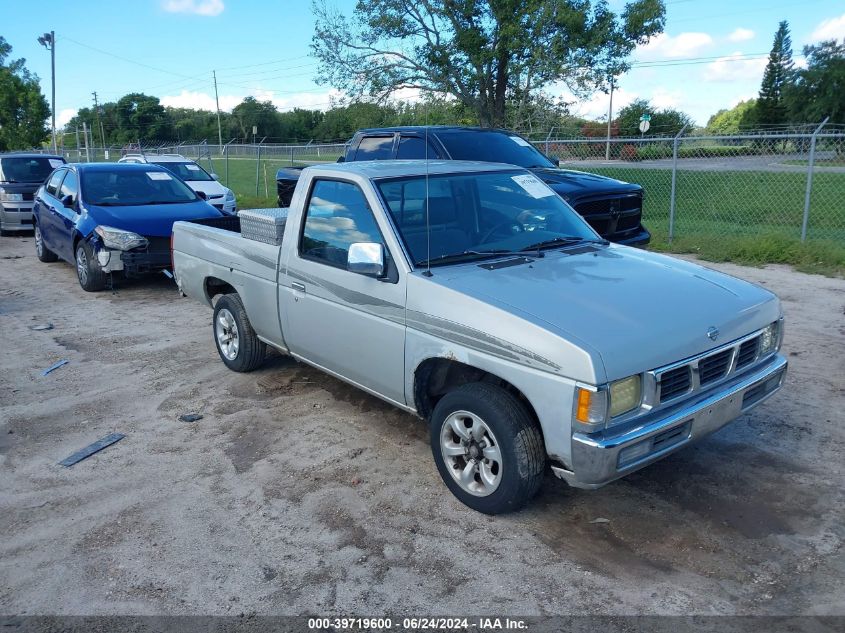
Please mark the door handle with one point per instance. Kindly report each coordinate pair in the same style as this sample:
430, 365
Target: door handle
295, 285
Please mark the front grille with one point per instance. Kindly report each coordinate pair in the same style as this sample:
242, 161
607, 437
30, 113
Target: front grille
158, 245
747, 352
674, 383
714, 367
671, 437
612, 217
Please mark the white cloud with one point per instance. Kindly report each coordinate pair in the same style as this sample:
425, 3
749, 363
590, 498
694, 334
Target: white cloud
663, 99
205, 101
741, 35
735, 67
832, 29
681, 45
64, 116
197, 7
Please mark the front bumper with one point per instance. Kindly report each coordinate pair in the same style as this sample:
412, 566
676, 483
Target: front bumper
16, 216
641, 238
599, 458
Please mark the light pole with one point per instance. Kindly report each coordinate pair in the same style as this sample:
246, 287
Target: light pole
48, 41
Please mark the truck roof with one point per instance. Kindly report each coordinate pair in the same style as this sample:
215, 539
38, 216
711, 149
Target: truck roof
393, 168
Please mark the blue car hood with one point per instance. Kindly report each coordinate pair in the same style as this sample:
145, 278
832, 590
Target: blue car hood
573, 184
153, 220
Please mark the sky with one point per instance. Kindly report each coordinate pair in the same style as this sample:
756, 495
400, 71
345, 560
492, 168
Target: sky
710, 56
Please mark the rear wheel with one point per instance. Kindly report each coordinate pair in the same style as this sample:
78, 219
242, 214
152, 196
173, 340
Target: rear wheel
88, 271
239, 347
487, 448
44, 254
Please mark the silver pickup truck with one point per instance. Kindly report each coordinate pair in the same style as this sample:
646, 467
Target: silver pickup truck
473, 296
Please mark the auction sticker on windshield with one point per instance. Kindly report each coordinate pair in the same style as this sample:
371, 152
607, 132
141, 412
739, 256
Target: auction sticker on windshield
534, 187
193, 167
520, 141
158, 175
55, 162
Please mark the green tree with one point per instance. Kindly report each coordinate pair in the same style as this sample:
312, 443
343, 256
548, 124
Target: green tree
23, 109
142, 117
732, 121
484, 53
819, 89
771, 108
262, 114
665, 122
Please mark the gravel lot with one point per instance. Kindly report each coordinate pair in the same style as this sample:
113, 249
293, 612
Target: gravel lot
297, 494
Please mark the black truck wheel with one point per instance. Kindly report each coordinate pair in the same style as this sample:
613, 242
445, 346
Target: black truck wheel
239, 348
487, 448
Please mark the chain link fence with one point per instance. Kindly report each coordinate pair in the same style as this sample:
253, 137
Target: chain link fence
789, 184
785, 184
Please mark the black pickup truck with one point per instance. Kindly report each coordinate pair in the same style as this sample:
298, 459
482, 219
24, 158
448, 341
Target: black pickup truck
612, 207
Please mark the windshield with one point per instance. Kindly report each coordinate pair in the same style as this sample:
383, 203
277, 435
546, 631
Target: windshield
186, 171
123, 187
494, 147
31, 169
482, 212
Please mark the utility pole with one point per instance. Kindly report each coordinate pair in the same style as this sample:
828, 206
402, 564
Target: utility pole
609, 121
85, 135
217, 101
48, 41
78, 152
99, 122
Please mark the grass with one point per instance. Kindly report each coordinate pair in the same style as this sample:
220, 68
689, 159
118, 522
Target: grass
745, 217
819, 162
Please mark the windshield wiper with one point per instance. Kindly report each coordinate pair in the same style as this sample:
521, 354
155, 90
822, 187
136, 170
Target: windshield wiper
471, 254
563, 241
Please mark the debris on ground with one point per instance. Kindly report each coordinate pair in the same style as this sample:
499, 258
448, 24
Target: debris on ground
42, 327
54, 366
190, 417
167, 273
600, 520
89, 450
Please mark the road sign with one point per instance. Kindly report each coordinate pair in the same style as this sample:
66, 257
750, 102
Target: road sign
645, 117
644, 125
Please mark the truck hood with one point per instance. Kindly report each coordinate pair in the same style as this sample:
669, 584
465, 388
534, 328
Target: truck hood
155, 220
630, 310
573, 184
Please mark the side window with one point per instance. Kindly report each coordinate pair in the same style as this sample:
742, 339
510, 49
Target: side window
375, 148
70, 187
413, 147
53, 182
337, 216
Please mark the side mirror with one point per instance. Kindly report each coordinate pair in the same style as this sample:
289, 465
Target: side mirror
67, 201
341, 159
556, 161
366, 258
202, 195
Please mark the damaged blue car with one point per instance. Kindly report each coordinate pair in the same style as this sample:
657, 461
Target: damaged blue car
109, 218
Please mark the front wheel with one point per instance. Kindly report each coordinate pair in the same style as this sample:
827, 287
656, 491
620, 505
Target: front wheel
239, 348
487, 448
88, 271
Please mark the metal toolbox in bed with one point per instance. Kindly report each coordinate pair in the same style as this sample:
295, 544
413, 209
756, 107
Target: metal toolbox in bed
263, 225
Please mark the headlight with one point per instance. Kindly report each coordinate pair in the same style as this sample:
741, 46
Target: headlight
11, 197
625, 395
230, 195
120, 239
770, 339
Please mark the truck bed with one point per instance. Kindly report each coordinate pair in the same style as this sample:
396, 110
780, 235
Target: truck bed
211, 257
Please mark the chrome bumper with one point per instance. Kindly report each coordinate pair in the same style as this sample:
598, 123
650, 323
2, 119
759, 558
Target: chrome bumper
599, 458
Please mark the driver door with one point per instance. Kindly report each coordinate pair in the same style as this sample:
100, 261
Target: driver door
347, 323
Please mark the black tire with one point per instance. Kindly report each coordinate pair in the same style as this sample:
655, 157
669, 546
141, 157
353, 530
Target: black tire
43, 253
248, 352
523, 453
88, 271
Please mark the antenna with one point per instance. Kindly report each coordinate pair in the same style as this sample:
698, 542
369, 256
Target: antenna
427, 272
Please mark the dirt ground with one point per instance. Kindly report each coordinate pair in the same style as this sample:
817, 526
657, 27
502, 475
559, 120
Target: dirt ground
298, 494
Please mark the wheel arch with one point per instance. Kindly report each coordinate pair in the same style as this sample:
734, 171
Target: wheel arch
214, 286
434, 377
